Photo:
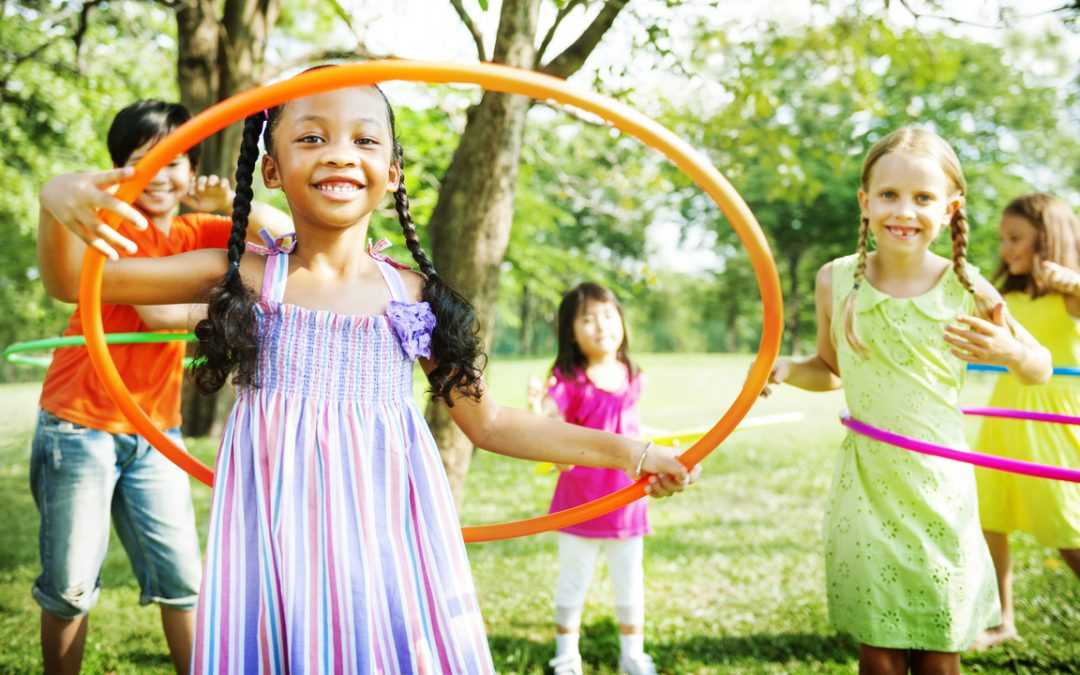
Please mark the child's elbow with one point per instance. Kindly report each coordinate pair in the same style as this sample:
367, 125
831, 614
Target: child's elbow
59, 290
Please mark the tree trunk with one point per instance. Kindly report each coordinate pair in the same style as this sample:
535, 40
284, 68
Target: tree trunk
218, 57
470, 227
525, 333
733, 327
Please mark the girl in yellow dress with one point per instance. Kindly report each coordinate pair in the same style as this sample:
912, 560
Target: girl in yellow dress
1040, 269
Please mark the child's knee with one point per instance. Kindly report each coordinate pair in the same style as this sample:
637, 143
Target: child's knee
70, 602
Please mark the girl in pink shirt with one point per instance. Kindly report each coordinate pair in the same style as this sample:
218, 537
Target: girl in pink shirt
595, 384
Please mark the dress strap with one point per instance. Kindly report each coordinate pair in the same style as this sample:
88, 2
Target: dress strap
277, 262
389, 269
393, 281
274, 277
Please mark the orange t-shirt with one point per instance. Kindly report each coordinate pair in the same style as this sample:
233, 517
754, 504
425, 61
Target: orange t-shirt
153, 372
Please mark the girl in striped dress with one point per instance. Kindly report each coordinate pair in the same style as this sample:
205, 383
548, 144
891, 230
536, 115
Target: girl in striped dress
334, 545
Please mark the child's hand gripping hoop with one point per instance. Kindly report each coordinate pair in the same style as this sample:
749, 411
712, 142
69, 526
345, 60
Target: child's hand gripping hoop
493, 78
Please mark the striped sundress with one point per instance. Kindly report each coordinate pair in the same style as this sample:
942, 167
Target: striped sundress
334, 543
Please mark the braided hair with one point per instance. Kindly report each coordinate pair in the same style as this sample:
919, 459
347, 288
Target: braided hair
923, 142
456, 347
229, 339
850, 332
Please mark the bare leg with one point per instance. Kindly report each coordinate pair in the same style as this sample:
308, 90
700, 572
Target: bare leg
998, 543
881, 661
1072, 558
179, 627
935, 663
62, 643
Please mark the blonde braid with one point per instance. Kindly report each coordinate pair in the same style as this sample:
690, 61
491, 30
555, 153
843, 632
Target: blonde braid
850, 332
958, 228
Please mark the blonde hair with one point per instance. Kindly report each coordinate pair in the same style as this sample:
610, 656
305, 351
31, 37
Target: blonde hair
918, 141
1058, 241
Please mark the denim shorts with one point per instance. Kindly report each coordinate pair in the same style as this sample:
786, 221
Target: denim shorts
78, 477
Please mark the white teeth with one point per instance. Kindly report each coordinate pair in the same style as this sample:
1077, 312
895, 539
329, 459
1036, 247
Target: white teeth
338, 187
903, 232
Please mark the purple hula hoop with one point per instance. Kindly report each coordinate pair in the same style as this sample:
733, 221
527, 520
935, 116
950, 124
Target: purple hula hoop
976, 458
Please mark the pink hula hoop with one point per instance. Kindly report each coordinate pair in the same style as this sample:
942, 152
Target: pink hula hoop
976, 458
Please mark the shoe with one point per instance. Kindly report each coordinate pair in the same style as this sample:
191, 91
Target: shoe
637, 664
567, 664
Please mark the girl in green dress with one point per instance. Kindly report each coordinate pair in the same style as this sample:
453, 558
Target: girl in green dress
908, 573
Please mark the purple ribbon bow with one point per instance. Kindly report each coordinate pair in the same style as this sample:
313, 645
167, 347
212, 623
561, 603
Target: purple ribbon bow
283, 244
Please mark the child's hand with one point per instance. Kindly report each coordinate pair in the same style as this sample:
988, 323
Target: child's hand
534, 396
74, 200
669, 474
1052, 276
983, 341
210, 194
780, 371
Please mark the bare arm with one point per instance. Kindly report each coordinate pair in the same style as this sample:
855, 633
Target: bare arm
171, 317
68, 221
1059, 279
1000, 340
517, 433
818, 372
171, 280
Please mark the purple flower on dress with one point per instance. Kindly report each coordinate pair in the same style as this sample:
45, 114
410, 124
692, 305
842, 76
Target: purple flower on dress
413, 323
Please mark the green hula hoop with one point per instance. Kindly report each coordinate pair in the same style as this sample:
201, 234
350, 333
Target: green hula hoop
15, 353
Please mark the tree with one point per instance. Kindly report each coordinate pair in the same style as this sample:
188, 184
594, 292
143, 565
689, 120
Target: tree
470, 227
67, 69
221, 50
793, 130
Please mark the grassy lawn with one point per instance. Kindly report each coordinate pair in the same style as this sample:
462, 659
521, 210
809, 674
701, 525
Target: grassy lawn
734, 571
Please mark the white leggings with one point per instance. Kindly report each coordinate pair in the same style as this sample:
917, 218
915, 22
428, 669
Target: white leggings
577, 558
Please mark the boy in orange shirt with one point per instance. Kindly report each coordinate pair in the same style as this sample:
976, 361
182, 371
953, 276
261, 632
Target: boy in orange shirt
86, 459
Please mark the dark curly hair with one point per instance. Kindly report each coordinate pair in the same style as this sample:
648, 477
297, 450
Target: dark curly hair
229, 337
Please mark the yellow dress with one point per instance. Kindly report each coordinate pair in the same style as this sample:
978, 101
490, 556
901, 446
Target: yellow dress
1047, 509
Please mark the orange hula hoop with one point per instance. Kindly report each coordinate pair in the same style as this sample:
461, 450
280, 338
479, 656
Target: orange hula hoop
493, 78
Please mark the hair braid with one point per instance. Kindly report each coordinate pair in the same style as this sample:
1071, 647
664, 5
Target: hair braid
455, 342
228, 336
408, 228
850, 331
958, 229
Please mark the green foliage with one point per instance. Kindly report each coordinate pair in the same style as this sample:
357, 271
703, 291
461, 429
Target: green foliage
789, 115
786, 114
55, 107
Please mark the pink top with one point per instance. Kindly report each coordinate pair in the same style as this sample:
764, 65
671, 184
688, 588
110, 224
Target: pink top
583, 403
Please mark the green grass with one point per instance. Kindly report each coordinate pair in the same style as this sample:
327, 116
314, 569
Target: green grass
734, 571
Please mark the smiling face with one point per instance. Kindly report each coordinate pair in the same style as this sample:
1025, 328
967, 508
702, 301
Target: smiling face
333, 157
1019, 243
162, 194
908, 199
598, 330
